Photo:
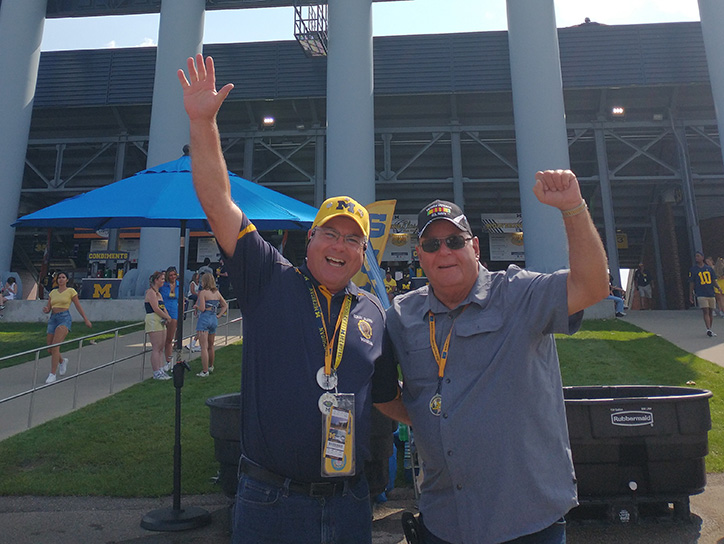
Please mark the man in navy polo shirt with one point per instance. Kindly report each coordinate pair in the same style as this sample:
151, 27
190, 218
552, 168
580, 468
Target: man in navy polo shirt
315, 354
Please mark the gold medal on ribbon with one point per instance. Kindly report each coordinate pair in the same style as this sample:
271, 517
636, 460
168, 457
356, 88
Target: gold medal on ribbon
436, 404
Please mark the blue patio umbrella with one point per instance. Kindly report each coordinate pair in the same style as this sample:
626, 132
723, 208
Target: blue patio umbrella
164, 196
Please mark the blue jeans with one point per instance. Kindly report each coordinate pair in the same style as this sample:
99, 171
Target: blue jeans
618, 301
266, 513
553, 534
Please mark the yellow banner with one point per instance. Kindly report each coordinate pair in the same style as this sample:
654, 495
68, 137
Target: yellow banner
381, 213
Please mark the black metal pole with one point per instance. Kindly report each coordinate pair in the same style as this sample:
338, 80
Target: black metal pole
177, 519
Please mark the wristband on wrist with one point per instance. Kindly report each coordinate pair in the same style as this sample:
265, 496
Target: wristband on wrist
582, 207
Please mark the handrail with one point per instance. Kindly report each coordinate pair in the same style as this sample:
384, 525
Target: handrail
36, 387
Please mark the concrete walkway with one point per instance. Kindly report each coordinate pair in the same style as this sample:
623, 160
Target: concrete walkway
65, 520
79, 388
684, 328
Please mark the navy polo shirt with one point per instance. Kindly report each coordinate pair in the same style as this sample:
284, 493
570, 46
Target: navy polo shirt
282, 352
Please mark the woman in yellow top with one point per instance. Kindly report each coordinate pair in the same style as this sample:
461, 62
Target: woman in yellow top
156, 319
719, 287
60, 322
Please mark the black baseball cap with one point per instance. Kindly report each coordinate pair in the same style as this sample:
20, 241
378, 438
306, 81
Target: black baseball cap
442, 209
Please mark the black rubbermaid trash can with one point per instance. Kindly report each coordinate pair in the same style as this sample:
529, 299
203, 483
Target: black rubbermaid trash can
224, 427
634, 444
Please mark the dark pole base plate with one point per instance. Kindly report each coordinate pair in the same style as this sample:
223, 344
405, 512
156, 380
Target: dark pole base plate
168, 519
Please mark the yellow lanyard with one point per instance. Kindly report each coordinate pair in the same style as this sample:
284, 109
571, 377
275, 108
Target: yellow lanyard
440, 358
340, 329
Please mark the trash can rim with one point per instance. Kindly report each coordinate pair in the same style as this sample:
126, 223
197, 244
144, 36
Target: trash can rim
684, 393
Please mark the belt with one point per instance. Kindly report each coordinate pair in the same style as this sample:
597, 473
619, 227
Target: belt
311, 489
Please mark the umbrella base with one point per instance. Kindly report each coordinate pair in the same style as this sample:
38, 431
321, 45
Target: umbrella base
168, 519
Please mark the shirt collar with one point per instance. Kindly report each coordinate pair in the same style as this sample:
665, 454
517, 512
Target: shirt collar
477, 295
350, 289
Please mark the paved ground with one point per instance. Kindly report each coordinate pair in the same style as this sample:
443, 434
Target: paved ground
38, 520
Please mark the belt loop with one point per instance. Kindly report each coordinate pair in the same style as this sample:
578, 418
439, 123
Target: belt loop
287, 483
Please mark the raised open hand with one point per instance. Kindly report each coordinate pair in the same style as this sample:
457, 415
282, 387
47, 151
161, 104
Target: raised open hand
201, 99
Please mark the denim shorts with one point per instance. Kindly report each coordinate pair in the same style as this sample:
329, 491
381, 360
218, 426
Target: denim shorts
59, 319
207, 322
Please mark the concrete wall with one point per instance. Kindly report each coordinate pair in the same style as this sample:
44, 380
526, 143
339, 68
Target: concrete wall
605, 309
31, 311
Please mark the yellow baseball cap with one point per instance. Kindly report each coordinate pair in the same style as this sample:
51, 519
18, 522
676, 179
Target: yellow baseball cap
346, 207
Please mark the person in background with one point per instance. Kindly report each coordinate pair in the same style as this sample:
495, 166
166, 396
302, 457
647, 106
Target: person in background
170, 293
719, 270
643, 282
702, 279
406, 281
10, 290
155, 324
192, 296
210, 305
205, 267
390, 285
481, 380
222, 279
616, 294
60, 323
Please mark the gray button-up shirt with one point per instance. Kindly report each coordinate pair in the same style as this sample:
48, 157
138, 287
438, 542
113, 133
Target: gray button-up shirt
497, 462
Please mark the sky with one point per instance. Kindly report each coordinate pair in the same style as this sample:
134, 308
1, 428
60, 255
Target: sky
389, 18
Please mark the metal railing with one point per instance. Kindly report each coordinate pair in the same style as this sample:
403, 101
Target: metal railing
88, 340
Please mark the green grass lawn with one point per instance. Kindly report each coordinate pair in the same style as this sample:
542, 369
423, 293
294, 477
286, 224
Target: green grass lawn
21, 337
123, 445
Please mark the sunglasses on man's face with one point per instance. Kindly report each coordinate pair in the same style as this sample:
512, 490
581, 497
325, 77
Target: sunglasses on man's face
454, 241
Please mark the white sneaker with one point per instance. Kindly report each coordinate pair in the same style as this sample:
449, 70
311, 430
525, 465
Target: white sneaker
161, 375
211, 368
51, 378
63, 366
710, 333
166, 367
195, 349
203, 374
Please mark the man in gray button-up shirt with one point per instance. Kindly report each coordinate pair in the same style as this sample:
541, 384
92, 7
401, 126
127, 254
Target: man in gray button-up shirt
485, 398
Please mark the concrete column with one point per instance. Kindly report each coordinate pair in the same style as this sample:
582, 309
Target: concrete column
711, 13
609, 220
457, 168
660, 283
180, 36
318, 170
687, 186
248, 172
21, 31
540, 125
350, 101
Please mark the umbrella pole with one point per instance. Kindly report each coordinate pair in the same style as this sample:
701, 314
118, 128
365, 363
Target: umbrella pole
176, 518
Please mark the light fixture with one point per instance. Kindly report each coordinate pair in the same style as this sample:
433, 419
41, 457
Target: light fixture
618, 111
268, 121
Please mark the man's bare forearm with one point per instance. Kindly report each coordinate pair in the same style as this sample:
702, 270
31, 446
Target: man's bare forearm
588, 277
211, 181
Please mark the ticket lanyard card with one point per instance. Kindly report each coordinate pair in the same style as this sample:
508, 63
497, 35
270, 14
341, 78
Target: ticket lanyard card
338, 451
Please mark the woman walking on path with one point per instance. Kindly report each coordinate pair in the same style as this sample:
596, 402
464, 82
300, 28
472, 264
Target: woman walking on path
169, 292
156, 319
60, 323
211, 304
